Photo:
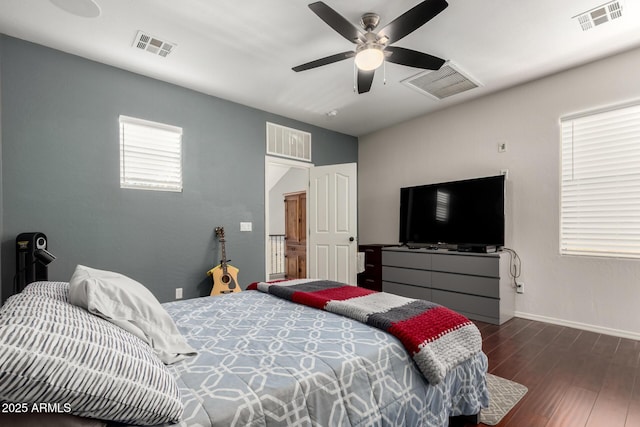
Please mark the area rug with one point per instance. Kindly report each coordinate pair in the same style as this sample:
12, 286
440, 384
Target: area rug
503, 396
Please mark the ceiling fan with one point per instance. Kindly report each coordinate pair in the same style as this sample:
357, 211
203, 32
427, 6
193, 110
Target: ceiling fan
373, 48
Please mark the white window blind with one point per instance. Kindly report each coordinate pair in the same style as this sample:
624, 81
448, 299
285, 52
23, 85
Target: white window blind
600, 190
150, 155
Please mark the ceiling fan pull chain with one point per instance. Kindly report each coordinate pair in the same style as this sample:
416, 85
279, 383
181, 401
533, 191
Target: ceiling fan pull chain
384, 73
355, 77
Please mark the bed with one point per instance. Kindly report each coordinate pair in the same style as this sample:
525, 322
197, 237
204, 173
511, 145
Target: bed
265, 361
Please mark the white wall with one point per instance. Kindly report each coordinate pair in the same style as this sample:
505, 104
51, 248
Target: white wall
295, 179
461, 142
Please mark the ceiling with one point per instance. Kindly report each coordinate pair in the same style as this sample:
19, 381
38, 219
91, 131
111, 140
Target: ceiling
243, 51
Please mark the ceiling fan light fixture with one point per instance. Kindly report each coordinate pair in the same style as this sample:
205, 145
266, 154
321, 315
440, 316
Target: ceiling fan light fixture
373, 46
369, 58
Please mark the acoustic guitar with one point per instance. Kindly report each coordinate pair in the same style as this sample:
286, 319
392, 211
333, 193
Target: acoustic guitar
224, 276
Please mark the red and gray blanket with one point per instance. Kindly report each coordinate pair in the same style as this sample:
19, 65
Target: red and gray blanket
437, 338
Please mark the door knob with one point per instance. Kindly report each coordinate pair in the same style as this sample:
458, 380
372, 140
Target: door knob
351, 239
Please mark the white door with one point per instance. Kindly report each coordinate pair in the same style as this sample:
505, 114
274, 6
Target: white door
333, 245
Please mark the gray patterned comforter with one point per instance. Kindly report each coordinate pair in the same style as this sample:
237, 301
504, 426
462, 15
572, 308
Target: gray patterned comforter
264, 361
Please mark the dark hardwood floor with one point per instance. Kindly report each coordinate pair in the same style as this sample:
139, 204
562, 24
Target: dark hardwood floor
575, 378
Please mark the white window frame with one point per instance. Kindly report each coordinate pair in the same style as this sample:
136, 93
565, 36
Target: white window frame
288, 142
150, 155
600, 183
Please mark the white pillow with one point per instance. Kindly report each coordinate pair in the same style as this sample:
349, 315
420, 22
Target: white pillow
128, 304
56, 353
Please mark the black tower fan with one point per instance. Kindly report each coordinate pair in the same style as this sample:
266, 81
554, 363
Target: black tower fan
32, 259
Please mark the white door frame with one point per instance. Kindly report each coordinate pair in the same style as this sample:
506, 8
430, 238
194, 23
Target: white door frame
279, 161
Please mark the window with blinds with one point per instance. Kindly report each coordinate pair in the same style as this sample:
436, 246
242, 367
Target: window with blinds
150, 155
600, 188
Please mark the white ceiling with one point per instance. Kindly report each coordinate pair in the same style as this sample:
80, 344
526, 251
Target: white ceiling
243, 51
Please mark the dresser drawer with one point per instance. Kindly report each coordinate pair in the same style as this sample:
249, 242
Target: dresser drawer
369, 282
418, 260
467, 264
372, 255
407, 276
475, 285
467, 304
407, 290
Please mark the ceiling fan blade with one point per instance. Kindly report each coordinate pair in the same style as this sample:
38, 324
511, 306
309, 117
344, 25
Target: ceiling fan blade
324, 61
413, 19
412, 58
336, 21
365, 79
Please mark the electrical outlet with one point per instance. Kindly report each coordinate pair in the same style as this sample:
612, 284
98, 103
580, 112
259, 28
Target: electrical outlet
178, 293
246, 226
520, 287
505, 172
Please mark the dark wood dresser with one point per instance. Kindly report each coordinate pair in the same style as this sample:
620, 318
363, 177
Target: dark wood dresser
371, 277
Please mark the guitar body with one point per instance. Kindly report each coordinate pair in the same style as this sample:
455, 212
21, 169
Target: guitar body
224, 276
224, 283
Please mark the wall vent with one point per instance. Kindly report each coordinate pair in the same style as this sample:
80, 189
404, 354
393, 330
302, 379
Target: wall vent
442, 83
153, 44
599, 15
287, 142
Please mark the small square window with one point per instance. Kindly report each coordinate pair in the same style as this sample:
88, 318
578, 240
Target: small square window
150, 155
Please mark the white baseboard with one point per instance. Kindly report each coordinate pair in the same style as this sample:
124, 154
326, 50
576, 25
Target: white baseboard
578, 325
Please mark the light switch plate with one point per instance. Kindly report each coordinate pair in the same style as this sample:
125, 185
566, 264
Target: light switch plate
246, 226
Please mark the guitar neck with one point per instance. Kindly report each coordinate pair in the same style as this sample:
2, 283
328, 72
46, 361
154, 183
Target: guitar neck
223, 261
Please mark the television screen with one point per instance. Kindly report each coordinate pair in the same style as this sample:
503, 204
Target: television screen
467, 212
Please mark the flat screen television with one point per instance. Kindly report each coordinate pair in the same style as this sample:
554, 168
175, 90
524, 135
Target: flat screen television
468, 212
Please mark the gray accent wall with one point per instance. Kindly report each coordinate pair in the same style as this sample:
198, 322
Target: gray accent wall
60, 172
1, 216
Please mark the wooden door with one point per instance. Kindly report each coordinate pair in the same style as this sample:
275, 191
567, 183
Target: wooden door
295, 235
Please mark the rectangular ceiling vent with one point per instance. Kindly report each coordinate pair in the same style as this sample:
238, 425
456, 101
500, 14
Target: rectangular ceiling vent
442, 83
288, 142
153, 44
599, 15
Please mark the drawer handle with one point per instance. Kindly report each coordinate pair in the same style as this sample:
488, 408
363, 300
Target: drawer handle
368, 250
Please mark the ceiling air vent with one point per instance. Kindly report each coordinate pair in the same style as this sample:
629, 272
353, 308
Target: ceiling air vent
153, 44
442, 83
599, 15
